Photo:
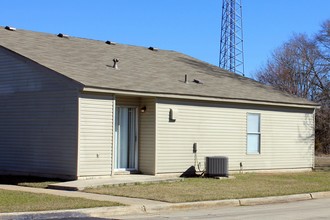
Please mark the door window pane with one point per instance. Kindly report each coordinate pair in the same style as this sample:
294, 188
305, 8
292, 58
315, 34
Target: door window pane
125, 138
131, 137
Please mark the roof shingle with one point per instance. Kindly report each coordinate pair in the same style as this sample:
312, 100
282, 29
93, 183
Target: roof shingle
140, 69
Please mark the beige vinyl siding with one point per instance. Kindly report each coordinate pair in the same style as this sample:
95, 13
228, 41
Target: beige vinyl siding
95, 135
287, 140
38, 115
21, 75
147, 154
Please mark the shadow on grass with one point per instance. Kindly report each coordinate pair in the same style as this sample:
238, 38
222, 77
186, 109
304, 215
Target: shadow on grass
30, 181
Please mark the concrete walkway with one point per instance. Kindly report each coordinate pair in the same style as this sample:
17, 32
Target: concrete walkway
138, 206
114, 180
77, 194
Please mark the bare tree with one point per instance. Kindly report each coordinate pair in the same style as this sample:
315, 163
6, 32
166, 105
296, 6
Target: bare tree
294, 68
301, 67
323, 40
322, 128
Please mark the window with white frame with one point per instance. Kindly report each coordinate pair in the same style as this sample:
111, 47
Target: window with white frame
253, 133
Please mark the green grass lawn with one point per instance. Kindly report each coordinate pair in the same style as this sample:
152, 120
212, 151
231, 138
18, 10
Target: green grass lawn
16, 201
243, 186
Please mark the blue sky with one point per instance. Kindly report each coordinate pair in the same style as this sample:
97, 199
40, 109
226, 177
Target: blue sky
188, 26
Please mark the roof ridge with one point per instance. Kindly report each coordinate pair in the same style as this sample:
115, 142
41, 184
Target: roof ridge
86, 38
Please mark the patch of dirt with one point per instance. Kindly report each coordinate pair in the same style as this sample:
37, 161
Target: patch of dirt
322, 161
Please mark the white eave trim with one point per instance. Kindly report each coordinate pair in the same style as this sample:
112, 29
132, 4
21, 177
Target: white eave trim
194, 97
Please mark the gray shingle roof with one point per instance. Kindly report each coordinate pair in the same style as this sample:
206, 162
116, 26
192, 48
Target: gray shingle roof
140, 69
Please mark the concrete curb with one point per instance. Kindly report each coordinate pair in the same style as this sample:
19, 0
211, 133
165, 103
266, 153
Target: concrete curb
320, 195
274, 199
192, 205
139, 209
115, 211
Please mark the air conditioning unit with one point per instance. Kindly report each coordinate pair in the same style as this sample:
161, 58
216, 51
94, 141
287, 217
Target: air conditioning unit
216, 166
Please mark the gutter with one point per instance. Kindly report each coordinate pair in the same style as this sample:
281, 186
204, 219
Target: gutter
200, 98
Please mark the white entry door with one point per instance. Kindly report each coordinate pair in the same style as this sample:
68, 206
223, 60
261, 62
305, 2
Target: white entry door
126, 138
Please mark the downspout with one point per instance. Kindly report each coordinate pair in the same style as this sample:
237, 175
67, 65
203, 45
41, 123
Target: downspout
113, 136
78, 137
155, 137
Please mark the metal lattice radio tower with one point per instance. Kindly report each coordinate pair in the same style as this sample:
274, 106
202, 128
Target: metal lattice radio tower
231, 39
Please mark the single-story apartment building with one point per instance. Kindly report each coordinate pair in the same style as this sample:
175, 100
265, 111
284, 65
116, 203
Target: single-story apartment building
79, 108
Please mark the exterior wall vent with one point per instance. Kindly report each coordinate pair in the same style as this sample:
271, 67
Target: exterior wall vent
216, 166
10, 28
153, 48
63, 35
110, 42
